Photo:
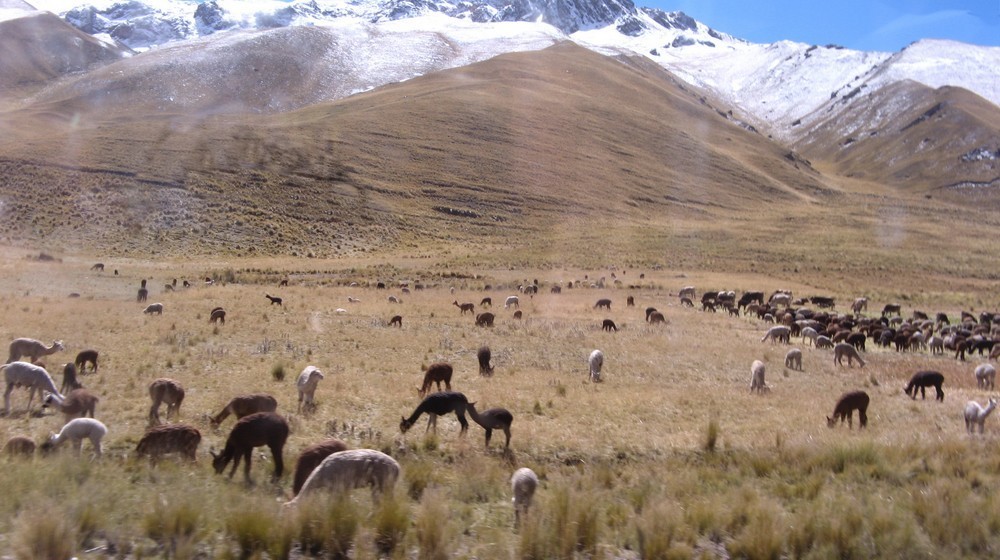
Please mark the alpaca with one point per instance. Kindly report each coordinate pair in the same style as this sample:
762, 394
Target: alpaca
23, 374
19, 446
976, 413
609, 325
470, 307
170, 438
512, 300
778, 333
484, 354
152, 308
76, 431
98, 267
809, 333
656, 317
793, 359
69, 379
85, 357
273, 299
825, 342
649, 311
596, 362
891, 308
353, 468
396, 320
312, 456
757, 378
438, 404
141, 295
218, 315
307, 382
31, 349
492, 419
436, 373
486, 302
845, 407
167, 391
923, 379
686, 291
77, 403
394, 299
523, 484
985, 376
603, 304
245, 405
260, 428
517, 315
844, 349
484, 320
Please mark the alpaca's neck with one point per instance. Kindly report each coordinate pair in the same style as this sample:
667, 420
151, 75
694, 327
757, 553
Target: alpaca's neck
221, 416
986, 411
474, 414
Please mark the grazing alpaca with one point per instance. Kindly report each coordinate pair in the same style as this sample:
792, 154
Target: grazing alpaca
484, 320
609, 325
312, 456
141, 295
484, 355
757, 378
273, 299
76, 431
492, 419
20, 446
354, 468
686, 302
170, 438
31, 349
23, 374
517, 314
98, 267
523, 484
985, 376
78, 403
512, 300
260, 428
470, 307
394, 299
603, 304
848, 403
396, 320
778, 333
486, 302
306, 384
843, 349
923, 379
686, 291
438, 404
152, 308
656, 317
596, 362
976, 413
649, 311
793, 359
85, 357
859, 305
630, 301
165, 391
245, 405
69, 379
218, 315
436, 373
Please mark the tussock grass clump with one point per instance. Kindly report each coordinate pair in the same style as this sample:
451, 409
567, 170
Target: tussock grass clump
175, 527
431, 527
41, 533
391, 521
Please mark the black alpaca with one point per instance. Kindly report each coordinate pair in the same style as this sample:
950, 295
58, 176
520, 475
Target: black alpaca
609, 325
923, 379
484, 355
273, 299
436, 405
848, 403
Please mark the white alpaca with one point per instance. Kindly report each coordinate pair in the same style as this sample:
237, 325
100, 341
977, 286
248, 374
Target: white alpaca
152, 308
976, 413
686, 291
31, 349
512, 300
76, 431
793, 359
354, 468
810, 333
596, 362
23, 374
523, 484
757, 378
307, 382
985, 376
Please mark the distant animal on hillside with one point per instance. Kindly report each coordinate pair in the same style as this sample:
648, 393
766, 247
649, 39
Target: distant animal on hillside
486, 302
757, 378
976, 414
86, 357
98, 267
842, 350
511, 301
985, 376
523, 484
307, 382
777, 333
154, 309
609, 325
273, 299
218, 315
484, 355
596, 362
165, 391
484, 320
396, 320
436, 373
845, 407
923, 379
470, 307
141, 295
603, 304
793, 359
439, 404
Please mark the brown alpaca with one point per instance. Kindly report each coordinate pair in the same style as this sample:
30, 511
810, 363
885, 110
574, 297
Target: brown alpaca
170, 438
85, 357
845, 407
436, 373
470, 307
260, 428
484, 320
312, 456
76, 404
165, 391
218, 315
492, 419
245, 405
396, 320
19, 446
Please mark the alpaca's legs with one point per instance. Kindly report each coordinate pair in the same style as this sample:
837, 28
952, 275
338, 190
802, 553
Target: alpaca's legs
279, 463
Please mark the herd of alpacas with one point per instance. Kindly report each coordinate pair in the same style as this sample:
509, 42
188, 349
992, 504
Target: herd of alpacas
331, 466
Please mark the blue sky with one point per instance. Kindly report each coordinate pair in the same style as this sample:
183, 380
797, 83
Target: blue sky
879, 25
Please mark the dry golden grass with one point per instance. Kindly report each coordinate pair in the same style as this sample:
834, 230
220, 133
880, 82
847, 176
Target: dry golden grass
625, 465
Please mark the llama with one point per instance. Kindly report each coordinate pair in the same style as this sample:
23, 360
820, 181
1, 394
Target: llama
778, 333
843, 349
486, 302
154, 308
85, 357
512, 300
165, 391
845, 407
76, 431
609, 325
245, 405
273, 299
492, 419
470, 307
757, 378
77, 403
19, 446
603, 304
438, 404
396, 320
793, 359
523, 484
985, 376
31, 349
484, 355
436, 373
311, 457
976, 413
596, 362
255, 430
23, 374
69, 379
353, 468
307, 382
484, 320
170, 438
218, 315
923, 379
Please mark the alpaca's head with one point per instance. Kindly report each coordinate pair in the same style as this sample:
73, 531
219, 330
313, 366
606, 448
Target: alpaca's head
404, 425
830, 422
